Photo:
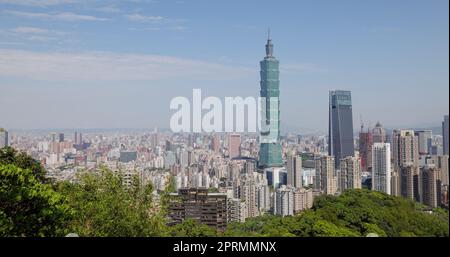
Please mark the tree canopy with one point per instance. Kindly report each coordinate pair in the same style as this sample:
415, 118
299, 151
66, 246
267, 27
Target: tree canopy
9, 155
28, 207
105, 207
354, 213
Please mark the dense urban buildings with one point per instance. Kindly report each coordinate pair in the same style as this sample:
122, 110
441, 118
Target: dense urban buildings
340, 130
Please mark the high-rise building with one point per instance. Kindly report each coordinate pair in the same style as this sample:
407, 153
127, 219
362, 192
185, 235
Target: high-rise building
381, 167
405, 153
196, 203
169, 159
61, 137
263, 198
431, 186
407, 173
325, 179
53, 137
340, 125
441, 162
3, 138
236, 210
294, 171
303, 199
445, 135
284, 201
249, 196
270, 147
350, 173
424, 138
405, 147
234, 145
379, 134
78, 138
395, 183
127, 156
365, 150
215, 143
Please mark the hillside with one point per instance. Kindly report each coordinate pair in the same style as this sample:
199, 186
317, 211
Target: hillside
354, 213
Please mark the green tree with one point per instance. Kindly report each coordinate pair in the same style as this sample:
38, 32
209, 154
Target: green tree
353, 213
105, 207
28, 207
191, 228
9, 155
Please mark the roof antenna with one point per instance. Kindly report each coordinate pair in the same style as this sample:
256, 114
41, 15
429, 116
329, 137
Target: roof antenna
362, 124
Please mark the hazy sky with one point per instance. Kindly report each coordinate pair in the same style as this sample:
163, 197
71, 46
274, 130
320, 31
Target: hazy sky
117, 64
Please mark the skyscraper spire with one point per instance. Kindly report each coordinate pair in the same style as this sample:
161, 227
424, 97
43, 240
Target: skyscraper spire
269, 45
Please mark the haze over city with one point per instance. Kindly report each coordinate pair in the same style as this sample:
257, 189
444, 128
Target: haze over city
231, 119
117, 64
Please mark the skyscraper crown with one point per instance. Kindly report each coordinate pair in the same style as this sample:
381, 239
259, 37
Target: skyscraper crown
269, 46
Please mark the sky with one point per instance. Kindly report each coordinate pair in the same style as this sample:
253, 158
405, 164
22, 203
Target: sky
118, 64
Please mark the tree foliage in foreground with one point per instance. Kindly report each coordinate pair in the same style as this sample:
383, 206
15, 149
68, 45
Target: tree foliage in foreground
191, 228
9, 155
105, 207
28, 207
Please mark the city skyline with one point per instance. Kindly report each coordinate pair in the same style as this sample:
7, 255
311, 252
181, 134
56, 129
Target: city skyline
101, 64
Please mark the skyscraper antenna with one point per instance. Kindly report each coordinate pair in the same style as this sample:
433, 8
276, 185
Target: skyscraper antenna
362, 124
268, 33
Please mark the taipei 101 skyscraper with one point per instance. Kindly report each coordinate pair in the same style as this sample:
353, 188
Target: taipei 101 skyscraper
270, 148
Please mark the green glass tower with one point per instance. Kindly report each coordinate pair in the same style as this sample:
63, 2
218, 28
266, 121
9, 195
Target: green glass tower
270, 148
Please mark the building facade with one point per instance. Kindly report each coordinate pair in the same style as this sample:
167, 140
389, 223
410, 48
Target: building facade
407, 180
379, 134
294, 171
405, 147
381, 167
196, 203
424, 139
445, 135
303, 199
365, 150
350, 173
431, 186
3, 138
270, 147
340, 130
234, 145
284, 201
325, 180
